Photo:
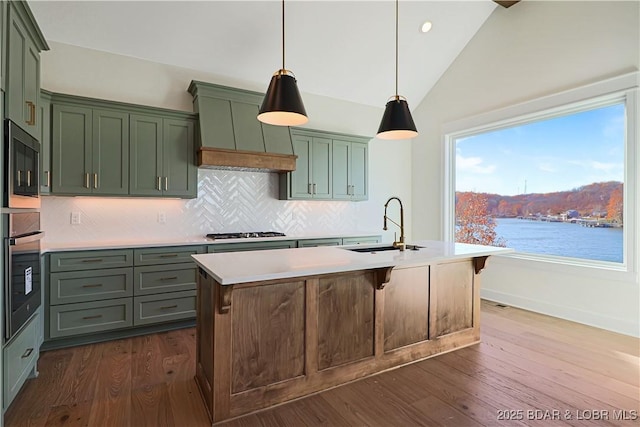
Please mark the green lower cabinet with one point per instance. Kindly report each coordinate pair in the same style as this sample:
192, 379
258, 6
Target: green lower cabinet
167, 255
19, 359
365, 240
167, 307
89, 317
90, 260
80, 286
310, 243
155, 279
251, 246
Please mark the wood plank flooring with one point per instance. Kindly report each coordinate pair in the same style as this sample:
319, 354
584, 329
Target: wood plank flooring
528, 367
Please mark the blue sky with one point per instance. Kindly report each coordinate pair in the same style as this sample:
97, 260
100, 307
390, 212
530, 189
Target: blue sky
551, 155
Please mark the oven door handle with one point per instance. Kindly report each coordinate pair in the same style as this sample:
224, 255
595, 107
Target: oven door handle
15, 241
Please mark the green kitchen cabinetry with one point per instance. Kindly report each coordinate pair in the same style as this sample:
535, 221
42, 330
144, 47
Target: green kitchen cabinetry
20, 356
44, 114
162, 157
95, 295
330, 166
90, 151
251, 246
350, 170
311, 243
361, 240
24, 42
231, 120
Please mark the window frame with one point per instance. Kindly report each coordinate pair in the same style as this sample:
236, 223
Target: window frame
622, 89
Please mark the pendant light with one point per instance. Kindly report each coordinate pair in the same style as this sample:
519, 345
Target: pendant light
397, 122
282, 104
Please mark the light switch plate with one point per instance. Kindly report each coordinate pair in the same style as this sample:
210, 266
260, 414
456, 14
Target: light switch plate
76, 218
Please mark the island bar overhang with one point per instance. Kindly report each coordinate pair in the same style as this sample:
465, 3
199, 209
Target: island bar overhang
289, 327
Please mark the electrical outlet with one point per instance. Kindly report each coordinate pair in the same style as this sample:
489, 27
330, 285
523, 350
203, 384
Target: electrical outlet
162, 217
76, 218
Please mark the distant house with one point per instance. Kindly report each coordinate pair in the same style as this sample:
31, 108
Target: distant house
572, 213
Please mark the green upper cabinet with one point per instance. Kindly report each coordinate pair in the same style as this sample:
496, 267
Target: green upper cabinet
44, 114
3, 21
329, 167
162, 157
350, 170
111, 148
90, 151
228, 120
24, 42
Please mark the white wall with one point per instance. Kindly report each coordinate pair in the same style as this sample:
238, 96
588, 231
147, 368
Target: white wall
223, 197
533, 49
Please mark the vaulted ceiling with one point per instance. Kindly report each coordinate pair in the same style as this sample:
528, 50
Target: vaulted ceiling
339, 49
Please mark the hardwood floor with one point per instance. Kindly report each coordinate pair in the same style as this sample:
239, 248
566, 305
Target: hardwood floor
528, 366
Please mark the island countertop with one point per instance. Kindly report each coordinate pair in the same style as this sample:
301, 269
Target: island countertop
253, 266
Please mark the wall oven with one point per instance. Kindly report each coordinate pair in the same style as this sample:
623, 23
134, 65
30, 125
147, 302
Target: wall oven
21, 166
22, 293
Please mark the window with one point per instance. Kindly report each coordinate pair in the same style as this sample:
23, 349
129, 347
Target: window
554, 183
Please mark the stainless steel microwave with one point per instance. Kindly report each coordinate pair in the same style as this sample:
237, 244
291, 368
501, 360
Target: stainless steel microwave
21, 166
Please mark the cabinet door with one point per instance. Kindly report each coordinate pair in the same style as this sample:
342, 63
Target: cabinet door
321, 168
359, 167
145, 155
110, 163
16, 48
451, 298
180, 177
301, 177
32, 88
341, 169
45, 144
71, 149
246, 127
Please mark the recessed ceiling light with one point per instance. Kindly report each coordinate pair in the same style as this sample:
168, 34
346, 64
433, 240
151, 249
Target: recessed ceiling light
426, 27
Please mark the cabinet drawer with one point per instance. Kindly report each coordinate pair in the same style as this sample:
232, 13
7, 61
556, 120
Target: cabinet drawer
20, 357
360, 240
309, 243
83, 318
90, 260
80, 286
164, 308
172, 255
164, 278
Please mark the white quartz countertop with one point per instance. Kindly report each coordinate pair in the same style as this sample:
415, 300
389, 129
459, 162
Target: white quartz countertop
253, 266
181, 241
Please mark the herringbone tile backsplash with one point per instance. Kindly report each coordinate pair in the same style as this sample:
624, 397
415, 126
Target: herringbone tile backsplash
227, 201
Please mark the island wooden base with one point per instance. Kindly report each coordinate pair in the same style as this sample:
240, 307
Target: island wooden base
264, 343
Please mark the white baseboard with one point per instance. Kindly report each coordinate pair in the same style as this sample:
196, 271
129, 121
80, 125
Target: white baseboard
597, 320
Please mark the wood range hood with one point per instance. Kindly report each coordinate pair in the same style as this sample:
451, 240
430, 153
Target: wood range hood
230, 135
219, 158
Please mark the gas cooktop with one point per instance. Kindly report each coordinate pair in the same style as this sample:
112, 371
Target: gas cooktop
216, 236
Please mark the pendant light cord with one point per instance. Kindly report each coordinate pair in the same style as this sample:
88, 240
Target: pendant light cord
283, 36
396, 49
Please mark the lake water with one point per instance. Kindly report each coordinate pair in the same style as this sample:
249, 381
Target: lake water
561, 238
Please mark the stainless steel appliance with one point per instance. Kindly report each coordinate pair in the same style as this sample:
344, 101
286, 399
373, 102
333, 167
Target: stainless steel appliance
21, 166
216, 236
21, 268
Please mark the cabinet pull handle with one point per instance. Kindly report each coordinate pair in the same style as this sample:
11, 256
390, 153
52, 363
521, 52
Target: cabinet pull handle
96, 285
92, 260
314, 189
86, 180
168, 255
95, 180
19, 177
159, 188
32, 113
169, 278
166, 183
27, 352
28, 178
310, 188
168, 307
97, 316
48, 174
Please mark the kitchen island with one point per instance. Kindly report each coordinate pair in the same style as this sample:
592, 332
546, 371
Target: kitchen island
280, 324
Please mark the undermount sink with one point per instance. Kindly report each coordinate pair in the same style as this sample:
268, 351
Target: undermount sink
373, 249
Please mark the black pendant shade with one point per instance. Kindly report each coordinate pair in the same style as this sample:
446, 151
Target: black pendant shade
397, 122
282, 104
